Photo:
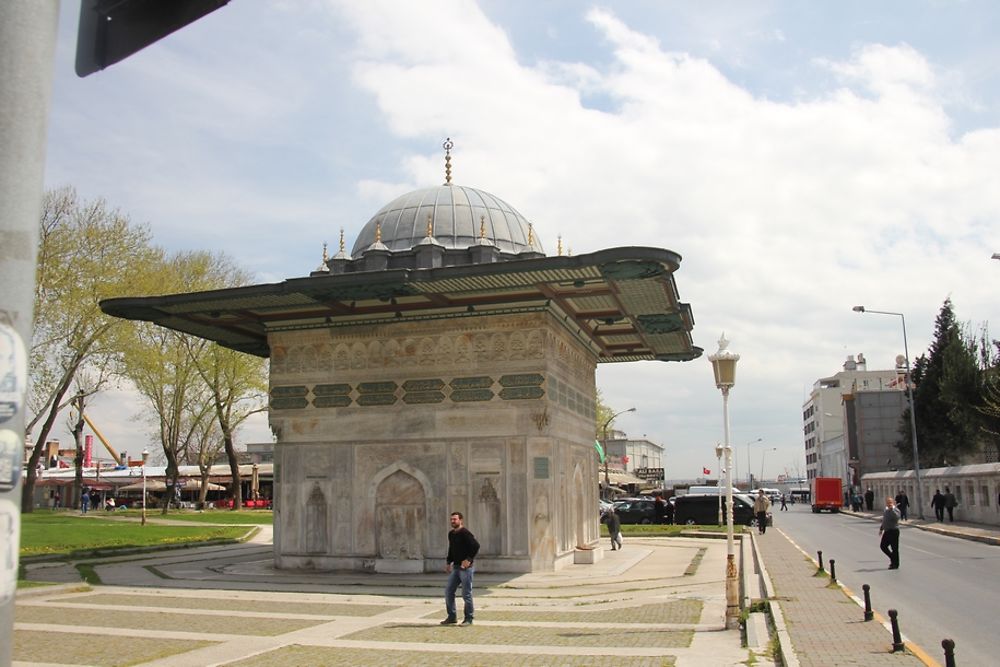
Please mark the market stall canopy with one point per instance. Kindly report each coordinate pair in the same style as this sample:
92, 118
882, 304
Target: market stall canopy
151, 485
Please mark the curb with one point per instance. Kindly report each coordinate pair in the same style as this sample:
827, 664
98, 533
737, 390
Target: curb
788, 656
933, 528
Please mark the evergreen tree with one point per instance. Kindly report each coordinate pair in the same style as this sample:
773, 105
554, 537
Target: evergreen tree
947, 389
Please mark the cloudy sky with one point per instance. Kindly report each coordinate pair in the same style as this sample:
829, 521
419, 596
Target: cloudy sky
802, 158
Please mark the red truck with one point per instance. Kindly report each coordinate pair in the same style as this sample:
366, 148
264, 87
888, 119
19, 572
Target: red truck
827, 494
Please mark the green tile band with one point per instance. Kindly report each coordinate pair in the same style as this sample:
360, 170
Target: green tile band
522, 380
470, 395
288, 391
339, 401
289, 403
478, 382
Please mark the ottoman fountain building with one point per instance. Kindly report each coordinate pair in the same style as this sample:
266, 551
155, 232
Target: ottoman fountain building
447, 364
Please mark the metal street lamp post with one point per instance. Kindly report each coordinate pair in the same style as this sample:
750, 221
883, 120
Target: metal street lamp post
763, 454
604, 429
750, 467
719, 449
724, 367
145, 455
913, 412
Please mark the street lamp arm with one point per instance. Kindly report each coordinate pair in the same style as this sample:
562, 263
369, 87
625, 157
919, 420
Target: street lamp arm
613, 417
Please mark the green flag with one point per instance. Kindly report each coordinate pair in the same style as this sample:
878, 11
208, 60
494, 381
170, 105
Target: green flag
600, 450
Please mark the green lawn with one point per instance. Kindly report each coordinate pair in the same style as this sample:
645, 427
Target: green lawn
242, 517
665, 530
69, 534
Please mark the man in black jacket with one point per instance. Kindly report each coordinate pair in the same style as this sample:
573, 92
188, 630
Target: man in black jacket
462, 550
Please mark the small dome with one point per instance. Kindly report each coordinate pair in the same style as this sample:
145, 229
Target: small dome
455, 213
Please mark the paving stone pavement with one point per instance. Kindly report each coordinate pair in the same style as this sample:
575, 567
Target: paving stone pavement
826, 626
659, 601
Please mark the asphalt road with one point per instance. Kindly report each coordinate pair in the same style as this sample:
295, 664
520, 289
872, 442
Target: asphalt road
945, 586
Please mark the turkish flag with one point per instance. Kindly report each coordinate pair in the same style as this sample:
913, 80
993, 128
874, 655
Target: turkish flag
706, 471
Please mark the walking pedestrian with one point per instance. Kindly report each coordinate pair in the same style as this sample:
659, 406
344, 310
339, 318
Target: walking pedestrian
938, 502
784, 503
462, 550
950, 503
761, 505
869, 499
614, 529
85, 501
659, 509
903, 503
889, 530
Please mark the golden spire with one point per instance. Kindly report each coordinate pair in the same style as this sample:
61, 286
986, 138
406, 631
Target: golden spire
482, 227
378, 232
559, 246
531, 235
342, 239
447, 145
569, 251
430, 225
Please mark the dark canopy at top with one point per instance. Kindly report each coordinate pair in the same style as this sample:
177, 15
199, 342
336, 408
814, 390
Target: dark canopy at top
621, 302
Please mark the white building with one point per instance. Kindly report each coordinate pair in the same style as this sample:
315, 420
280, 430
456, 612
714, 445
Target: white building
823, 415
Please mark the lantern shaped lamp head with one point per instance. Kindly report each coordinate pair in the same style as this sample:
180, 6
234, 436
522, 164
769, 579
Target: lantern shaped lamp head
724, 364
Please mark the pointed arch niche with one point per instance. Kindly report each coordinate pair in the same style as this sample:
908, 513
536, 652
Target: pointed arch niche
398, 494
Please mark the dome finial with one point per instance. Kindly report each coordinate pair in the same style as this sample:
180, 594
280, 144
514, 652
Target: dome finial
559, 246
342, 240
531, 235
482, 227
447, 145
323, 267
378, 232
430, 226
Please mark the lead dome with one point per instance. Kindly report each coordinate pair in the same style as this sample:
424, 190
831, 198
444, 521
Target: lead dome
460, 217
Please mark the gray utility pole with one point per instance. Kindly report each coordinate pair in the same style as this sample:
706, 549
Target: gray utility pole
27, 53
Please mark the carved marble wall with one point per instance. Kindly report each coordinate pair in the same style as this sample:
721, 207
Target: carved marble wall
384, 430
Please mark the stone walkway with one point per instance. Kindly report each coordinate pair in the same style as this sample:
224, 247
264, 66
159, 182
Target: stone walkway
659, 601
826, 627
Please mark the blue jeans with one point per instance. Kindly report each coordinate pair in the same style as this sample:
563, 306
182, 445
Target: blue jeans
456, 577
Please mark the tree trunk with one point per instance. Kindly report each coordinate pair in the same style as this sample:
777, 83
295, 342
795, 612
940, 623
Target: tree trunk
234, 467
28, 489
78, 459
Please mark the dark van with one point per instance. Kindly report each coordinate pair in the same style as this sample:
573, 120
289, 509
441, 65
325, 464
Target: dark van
703, 509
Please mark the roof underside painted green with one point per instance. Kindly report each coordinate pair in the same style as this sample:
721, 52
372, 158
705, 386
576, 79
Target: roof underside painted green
621, 302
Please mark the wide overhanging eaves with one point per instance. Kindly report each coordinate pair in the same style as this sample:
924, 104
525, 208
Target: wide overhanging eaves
621, 302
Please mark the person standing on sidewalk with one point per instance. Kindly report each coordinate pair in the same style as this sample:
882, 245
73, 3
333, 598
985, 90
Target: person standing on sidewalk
761, 505
614, 528
950, 503
462, 550
903, 503
937, 502
889, 530
869, 499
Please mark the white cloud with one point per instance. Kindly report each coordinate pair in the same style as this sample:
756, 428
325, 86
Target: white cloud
787, 213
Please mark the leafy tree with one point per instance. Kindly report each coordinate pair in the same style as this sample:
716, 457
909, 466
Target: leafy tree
87, 252
602, 414
236, 384
189, 381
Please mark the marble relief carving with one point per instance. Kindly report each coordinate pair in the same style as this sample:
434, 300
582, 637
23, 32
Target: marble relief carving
445, 350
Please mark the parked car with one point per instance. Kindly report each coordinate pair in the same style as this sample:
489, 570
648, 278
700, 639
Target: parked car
703, 509
635, 510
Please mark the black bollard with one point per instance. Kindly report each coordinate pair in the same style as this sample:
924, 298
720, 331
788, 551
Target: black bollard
833, 570
820, 559
868, 602
949, 652
897, 639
